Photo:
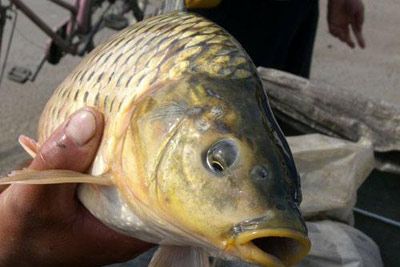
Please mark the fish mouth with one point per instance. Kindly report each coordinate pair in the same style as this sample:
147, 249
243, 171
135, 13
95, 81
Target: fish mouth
273, 247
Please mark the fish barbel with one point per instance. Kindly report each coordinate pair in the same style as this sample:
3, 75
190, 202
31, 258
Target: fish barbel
191, 157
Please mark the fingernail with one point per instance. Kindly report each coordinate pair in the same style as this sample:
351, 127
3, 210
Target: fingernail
81, 127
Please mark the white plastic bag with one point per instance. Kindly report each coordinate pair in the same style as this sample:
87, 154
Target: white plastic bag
331, 171
339, 245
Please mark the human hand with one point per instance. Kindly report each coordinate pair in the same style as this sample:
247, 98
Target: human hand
46, 225
343, 15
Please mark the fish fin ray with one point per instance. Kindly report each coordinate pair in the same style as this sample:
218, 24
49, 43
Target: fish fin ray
175, 256
27, 176
29, 145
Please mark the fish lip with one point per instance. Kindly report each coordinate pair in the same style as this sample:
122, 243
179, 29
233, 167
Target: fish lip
247, 250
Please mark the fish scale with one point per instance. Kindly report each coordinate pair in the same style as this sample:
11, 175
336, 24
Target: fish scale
100, 79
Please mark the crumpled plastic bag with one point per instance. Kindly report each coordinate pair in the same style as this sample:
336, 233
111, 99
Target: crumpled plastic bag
339, 245
331, 172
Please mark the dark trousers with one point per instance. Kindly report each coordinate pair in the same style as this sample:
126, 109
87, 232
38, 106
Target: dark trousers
275, 33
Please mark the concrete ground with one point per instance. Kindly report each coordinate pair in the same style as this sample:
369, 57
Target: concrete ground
374, 71
21, 104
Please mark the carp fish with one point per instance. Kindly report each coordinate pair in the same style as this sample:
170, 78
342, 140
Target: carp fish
191, 156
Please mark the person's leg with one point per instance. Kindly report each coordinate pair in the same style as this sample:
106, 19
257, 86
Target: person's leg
268, 30
259, 25
301, 47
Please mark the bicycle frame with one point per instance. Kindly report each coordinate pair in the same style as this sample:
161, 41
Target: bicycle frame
79, 23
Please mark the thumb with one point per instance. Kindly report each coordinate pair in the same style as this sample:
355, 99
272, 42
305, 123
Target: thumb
73, 145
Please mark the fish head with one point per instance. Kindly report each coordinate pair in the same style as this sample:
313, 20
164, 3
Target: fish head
215, 164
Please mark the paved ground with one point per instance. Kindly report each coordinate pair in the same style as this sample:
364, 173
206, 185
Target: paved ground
21, 105
374, 71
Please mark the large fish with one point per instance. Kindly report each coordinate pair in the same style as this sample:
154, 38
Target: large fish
191, 156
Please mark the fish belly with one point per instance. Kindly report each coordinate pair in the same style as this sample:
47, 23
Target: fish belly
106, 204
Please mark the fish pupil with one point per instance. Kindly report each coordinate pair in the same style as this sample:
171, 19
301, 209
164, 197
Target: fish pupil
221, 156
217, 167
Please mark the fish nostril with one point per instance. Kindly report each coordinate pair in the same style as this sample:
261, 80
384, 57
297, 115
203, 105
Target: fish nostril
259, 173
283, 248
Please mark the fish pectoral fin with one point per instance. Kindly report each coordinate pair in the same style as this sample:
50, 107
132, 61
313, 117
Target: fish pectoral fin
27, 176
176, 256
29, 145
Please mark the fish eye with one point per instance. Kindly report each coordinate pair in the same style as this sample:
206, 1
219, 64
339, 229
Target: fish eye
221, 156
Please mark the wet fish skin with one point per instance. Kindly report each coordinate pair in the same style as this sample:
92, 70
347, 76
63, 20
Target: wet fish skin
118, 72
170, 89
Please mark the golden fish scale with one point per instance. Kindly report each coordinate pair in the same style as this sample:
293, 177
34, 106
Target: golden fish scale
122, 69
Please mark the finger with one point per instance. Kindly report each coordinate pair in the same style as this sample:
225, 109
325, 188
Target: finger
359, 37
357, 26
73, 145
343, 34
347, 37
